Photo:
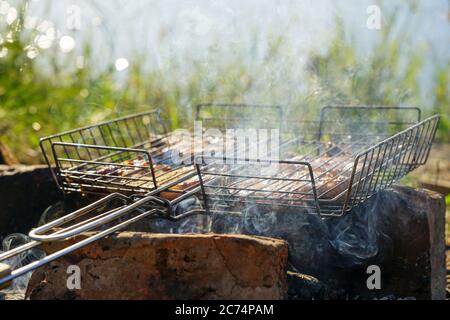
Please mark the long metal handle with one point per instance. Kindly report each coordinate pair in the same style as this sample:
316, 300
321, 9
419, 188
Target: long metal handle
61, 221
37, 264
38, 234
148, 206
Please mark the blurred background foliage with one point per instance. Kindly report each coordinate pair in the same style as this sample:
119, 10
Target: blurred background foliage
40, 96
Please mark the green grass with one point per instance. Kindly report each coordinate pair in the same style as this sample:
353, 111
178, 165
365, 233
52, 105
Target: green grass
41, 96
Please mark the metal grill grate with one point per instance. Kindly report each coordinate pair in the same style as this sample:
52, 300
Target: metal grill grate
134, 154
333, 166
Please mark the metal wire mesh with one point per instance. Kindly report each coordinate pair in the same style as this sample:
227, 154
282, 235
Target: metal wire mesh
331, 167
326, 166
124, 155
135, 154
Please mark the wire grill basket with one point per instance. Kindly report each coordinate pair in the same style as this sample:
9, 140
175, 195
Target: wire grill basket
328, 167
